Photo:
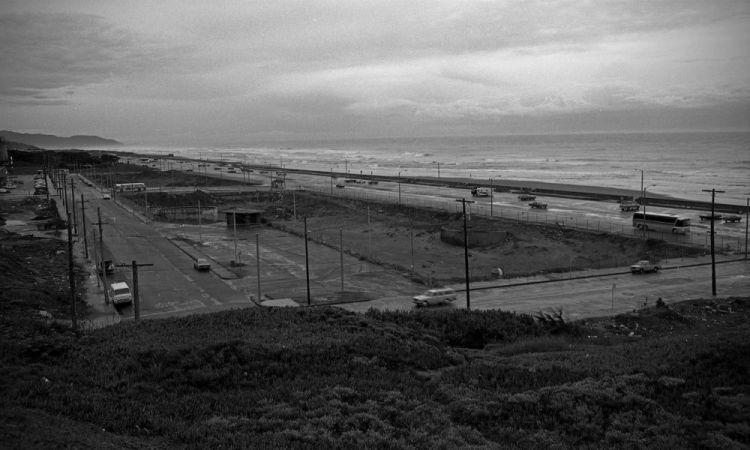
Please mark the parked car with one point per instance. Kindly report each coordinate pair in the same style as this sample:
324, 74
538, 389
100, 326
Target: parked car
121, 293
201, 264
109, 266
435, 297
644, 266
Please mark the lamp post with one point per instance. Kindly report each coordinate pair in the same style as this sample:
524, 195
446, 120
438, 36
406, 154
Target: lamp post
713, 254
645, 227
642, 192
492, 196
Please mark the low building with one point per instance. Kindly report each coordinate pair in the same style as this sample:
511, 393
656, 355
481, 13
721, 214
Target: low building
243, 217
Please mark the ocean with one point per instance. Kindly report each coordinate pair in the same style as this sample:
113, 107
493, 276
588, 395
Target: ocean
676, 164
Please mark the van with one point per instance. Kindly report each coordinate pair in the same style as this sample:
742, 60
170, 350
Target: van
120, 293
435, 297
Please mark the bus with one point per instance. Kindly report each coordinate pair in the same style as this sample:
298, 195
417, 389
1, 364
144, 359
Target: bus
661, 222
130, 187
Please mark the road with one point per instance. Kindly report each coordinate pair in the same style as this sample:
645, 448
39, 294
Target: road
585, 214
169, 286
593, 296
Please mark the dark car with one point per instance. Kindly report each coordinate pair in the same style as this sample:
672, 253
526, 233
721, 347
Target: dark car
109, 266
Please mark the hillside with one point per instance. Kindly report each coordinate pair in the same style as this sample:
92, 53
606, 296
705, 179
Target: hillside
49, 141
323, 378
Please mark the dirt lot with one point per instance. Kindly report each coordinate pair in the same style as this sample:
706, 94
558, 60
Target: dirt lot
409, 240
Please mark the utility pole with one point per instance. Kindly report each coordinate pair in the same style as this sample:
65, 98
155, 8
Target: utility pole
71, 278
83, 221
399, 188
466, 253
136, 296
747, 216
44, 171
200, 223
341, 256
411, 239
101, 254
65, 192
307, 265
73, 197
257, 261
713, 254
234, 225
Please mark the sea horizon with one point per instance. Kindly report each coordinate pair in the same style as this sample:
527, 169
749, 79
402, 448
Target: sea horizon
679, 164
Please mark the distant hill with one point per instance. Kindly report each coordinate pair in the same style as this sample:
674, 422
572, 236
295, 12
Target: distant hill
50, 141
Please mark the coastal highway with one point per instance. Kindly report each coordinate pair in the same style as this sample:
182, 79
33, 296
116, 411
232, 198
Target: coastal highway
592, 296
169, 286
581, 213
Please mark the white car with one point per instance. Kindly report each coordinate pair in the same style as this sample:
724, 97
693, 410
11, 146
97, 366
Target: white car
106, 196
435, 297
120, 293
644, 266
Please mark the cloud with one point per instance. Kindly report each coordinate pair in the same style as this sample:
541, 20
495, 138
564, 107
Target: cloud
45, 52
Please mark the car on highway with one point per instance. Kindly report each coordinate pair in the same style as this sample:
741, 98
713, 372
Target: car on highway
202, 264
106, 196
644, 266
435, 297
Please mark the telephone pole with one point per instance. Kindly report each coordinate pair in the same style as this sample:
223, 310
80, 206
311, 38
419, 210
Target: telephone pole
307, 265
713, 254
466, 253
101, 255
73, 209
136, 296
71, 277
83, 221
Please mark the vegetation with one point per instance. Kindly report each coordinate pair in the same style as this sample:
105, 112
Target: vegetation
324, 378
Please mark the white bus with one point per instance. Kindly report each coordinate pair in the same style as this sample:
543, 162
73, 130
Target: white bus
130, 187
661, 222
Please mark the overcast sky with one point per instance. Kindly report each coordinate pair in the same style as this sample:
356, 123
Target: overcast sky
222, 72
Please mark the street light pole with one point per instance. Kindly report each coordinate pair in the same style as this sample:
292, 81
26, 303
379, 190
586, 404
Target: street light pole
645, 227
713, 254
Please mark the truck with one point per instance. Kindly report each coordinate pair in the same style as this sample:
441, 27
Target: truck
644, 266
120, 293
